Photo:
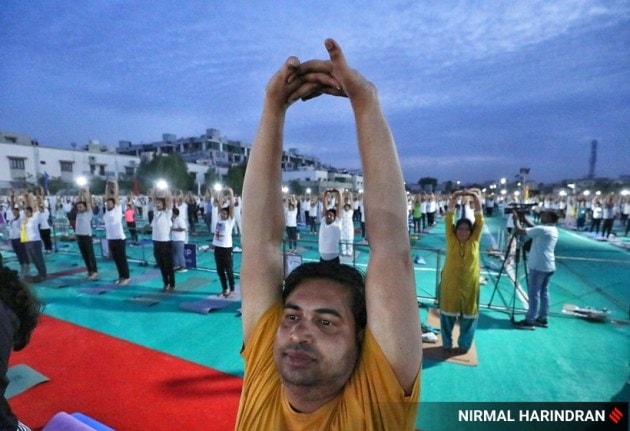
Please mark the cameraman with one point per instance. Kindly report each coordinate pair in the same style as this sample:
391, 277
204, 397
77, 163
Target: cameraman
541, 265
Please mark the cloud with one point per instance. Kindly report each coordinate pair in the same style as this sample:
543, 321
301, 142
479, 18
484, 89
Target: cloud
457, 80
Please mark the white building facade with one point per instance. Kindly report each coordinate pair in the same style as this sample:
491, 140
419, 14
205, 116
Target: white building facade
24, 160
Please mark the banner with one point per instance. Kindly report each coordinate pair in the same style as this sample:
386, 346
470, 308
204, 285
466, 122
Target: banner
190, 255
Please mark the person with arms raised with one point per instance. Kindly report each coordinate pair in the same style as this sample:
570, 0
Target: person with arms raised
332, 350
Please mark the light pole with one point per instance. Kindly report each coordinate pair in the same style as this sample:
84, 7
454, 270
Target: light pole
161, 184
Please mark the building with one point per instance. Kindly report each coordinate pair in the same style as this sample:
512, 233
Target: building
317, 180
26, 161
209, 149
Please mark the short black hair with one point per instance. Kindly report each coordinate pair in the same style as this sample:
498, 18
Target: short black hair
19, 298
553, 215
176, 211
348, 276
462, 221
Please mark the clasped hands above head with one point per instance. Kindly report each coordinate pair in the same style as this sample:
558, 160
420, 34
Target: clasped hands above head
312, 79
465, 192
306, 80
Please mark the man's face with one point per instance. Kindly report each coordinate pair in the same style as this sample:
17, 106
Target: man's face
330, 217
81, 208
316, 343
224, 214
109, 204
159, 205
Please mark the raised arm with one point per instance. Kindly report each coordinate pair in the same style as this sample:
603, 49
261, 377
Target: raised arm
111, 190
85, 196
30, 200
452, 200
231, 202
165, 194
392, 309
12, 199
338, 203
392, 305
261, 270
476, 199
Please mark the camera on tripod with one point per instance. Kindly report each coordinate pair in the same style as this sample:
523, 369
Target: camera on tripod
520, 209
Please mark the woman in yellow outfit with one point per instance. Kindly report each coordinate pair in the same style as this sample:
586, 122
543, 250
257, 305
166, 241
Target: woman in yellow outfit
459, 287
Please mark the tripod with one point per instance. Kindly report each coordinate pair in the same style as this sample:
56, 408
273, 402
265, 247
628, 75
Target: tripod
520, 251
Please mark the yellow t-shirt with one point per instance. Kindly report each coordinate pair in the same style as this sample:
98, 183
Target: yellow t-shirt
371, 400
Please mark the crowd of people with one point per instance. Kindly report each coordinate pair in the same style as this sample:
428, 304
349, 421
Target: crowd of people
328, 346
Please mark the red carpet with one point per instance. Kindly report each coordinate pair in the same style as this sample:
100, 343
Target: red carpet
120, 384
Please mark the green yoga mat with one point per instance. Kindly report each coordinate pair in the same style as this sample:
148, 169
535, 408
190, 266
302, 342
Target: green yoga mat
21, 378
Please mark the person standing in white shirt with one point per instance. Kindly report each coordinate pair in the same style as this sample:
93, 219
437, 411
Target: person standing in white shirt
116, 239
222, 242
14, 219
178, 237
330, 229
43, 216
30, 236
347, 226
83, 232
290, 223
161, 235
541, 266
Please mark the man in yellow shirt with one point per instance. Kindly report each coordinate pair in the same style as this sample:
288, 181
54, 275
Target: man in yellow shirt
332, 350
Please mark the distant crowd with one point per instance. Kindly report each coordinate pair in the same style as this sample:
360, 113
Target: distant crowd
596, 215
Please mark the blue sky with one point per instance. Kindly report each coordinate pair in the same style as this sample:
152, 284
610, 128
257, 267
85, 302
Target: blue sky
473, 90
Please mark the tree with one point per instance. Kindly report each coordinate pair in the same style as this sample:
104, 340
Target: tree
55, 184
428, 181
169, 167
97, 186
603, 185
235, 176
29, 182
296, 188
210, 177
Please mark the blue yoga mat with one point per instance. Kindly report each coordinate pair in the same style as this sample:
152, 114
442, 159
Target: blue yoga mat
206, 305
22, 377
99, 289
